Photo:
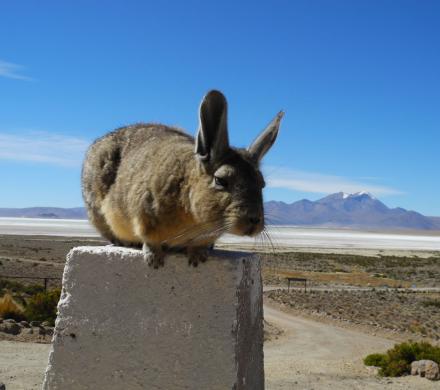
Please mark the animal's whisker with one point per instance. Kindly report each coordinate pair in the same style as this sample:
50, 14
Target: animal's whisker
269, 239
263, 242
210, 229
193, 232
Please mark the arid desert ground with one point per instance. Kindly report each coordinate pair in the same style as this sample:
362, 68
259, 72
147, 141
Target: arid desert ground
358, 301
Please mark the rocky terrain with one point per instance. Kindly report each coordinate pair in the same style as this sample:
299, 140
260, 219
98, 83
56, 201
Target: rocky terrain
299, 353
399, 312
38, 332
406, 314
355, 270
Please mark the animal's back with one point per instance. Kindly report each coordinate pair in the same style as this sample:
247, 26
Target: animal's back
124, 163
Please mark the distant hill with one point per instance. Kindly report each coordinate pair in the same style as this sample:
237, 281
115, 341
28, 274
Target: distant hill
436, 219
359, 210
45, 212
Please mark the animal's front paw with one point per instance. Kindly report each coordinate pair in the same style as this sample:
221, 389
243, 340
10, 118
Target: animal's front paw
197, 255
152, 257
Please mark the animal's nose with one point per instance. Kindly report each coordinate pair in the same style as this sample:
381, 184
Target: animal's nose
254, 220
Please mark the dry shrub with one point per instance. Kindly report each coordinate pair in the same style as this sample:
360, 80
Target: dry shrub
43, 306
9, 308
397, 360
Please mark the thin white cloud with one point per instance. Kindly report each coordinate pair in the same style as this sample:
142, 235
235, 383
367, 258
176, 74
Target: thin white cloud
57, 149
43, 147
321, 183
12, 71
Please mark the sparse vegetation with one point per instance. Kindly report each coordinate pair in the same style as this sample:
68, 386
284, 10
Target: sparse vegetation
43, 306
8, 286
416, 315
397, 361
431, 303
376, 360
27, 302
391, 310
9, 308
12, 286
382, 270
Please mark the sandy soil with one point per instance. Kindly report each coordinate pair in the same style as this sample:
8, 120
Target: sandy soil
306, 355
312, 355
22, 365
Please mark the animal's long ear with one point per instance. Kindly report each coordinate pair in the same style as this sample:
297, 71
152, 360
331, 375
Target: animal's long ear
266, 139
212, 138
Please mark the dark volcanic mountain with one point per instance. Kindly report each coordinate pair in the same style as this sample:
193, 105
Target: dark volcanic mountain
360, 210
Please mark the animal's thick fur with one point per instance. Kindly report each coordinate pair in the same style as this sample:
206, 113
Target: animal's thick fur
145, 185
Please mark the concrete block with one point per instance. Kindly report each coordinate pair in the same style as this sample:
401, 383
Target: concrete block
124, 325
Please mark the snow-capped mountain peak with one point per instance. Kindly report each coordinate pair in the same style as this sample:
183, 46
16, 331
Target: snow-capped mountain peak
345, 196
362, 193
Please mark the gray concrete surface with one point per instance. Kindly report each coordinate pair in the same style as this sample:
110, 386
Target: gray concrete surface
124, 325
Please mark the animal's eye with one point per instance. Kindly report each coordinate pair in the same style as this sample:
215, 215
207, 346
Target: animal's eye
220, 182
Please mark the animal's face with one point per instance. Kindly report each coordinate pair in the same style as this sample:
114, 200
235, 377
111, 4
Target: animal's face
228, 194
239, 182
231, 195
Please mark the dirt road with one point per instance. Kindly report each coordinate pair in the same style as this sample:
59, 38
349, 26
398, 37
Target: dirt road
313, 355
309, 355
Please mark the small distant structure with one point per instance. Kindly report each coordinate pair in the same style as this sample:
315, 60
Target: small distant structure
301, 280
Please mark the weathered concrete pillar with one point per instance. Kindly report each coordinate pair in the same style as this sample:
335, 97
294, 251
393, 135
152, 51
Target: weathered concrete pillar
124, 325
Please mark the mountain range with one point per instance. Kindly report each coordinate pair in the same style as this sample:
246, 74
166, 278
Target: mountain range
357, 211
360, 211
45, 212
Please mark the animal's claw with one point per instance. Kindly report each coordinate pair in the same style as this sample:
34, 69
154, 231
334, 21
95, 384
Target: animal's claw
153, 258
197, 255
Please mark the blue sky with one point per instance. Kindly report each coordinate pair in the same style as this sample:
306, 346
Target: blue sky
359, 82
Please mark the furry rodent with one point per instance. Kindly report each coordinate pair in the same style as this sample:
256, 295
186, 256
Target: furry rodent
154, 186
